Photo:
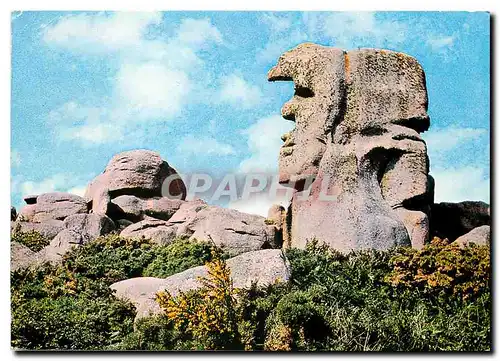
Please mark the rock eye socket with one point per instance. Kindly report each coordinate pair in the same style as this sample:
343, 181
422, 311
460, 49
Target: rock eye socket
303, 92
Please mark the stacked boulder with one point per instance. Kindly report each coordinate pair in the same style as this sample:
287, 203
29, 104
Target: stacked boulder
357, 153
127, 198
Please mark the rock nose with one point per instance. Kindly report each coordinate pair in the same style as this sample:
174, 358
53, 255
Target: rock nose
273, 74
277, 73
288, 110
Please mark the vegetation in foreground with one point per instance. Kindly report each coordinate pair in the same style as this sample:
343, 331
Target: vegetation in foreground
436, 299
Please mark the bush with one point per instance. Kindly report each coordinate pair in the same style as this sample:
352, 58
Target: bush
31, 239
178, 256
70, 306
443, 268
393, 300
208, 314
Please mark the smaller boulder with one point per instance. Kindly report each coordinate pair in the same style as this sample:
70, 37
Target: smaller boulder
88, 227
13, 213
55, 205
480, 236
262, 267
20, 256
136, 209
48, 229
101, 202
156, 230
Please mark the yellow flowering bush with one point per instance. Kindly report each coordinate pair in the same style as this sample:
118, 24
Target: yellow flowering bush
209, 313
443, 267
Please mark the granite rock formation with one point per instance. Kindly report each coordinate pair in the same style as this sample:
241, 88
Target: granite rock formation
127, 198
355, 160
140, 173
358, 117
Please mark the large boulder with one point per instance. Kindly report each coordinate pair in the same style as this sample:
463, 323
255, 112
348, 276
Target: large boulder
156, 230
54, 205
234, 231
136, 209
20, 256
263, 267
355, 157
48, 229
452, 220
87, 227
138, 172
479, 235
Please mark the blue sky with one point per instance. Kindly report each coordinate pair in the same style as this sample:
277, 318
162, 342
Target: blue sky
192, 86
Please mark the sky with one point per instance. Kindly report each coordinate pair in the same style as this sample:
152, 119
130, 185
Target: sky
192, 86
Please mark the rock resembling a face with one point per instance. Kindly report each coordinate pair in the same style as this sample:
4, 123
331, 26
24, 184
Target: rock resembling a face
318, 75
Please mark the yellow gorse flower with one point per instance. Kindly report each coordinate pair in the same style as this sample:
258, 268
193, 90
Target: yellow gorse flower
208, 313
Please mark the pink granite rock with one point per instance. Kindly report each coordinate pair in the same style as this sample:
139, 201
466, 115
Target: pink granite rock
136, 209
358, 116
138, 172
479, 235
263, 267
53, 206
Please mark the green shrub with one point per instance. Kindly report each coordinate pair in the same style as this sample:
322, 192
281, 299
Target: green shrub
178, 256
70, 306
441, 267
362, 301
31, 239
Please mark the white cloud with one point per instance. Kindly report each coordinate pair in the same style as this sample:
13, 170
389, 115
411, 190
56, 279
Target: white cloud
350, 29
90, 125
264, 142
204, 145
445, 139
258, 204
78, 190
276, 23
100, 32
237, 91
461, 184
439, 43
152, 89
155, 79
57, 182
198, 32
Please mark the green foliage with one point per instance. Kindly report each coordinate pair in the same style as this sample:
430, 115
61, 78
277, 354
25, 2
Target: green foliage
434, 299
31, 239
70, 306
177, 257
443, 268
